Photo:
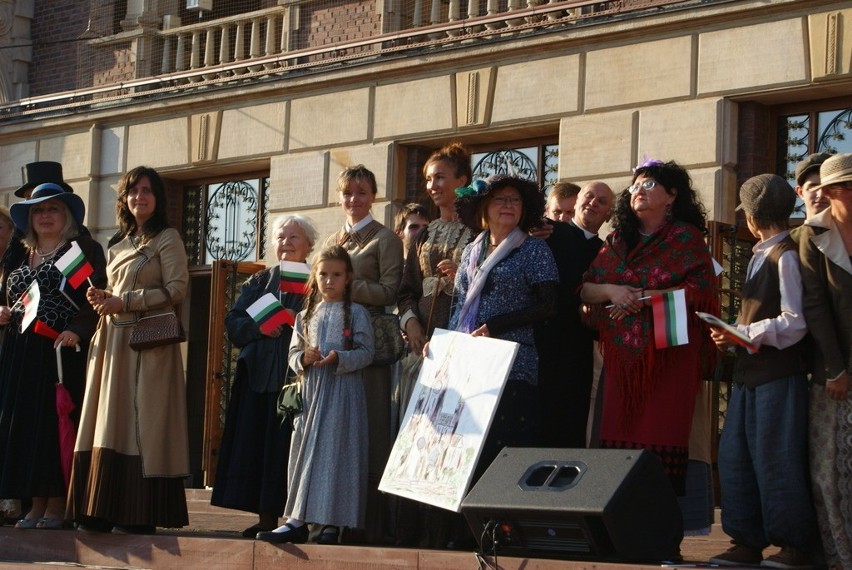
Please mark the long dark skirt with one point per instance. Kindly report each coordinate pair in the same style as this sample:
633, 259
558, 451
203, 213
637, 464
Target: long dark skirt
109, 485
252, 471
29, 441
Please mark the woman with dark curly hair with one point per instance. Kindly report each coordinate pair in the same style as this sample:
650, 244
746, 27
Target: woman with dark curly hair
657, 246
506, 282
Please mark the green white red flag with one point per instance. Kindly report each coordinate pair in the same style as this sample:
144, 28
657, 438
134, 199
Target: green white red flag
74, 265
294, 277
269, 313
670, 318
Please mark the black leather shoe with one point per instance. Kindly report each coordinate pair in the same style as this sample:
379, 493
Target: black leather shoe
294, 535
329, 535
93, 524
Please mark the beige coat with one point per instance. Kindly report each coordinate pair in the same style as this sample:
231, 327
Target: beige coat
135, 402
827, 302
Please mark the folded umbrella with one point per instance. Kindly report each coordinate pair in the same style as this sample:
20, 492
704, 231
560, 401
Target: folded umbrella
67, 431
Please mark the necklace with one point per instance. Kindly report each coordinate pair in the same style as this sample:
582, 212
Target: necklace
47, 254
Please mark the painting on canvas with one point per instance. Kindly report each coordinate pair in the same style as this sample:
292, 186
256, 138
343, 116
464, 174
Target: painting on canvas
451, 409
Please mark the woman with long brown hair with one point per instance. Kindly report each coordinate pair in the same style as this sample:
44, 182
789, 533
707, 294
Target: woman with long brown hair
132, 451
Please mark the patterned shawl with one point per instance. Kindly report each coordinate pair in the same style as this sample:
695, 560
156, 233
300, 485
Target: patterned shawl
477, 274
675, 256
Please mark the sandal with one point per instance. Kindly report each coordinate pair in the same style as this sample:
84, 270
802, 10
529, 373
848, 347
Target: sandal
50, 524
329, 535
27, 523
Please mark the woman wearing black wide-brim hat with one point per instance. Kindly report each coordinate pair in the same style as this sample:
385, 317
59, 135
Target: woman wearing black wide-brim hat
506, 282
30, 458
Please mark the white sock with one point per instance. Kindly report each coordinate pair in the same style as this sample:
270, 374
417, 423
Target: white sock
294, 523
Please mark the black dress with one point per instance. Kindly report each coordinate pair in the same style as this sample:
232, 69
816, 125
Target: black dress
29, 441
252, 471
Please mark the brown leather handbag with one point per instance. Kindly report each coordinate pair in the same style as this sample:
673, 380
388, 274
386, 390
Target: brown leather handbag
156, 330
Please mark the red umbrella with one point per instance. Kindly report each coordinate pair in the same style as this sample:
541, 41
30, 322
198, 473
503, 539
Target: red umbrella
67, 431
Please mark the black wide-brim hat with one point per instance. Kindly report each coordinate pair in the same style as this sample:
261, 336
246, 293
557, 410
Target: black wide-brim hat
469, 205
37, 173
20, 211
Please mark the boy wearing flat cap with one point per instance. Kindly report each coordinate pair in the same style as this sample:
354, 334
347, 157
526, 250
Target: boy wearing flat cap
763, 453
807, 183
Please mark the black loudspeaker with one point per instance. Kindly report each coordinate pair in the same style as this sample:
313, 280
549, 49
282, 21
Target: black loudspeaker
605, 504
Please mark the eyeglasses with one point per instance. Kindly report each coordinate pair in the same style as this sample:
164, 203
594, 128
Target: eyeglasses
647, 185
513, 201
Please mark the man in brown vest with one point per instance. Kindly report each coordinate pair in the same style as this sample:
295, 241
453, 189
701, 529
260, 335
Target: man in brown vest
763, 452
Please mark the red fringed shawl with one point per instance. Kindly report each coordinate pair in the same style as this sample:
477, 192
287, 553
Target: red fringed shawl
675, 256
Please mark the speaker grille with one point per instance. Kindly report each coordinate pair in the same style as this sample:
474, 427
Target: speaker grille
551, 536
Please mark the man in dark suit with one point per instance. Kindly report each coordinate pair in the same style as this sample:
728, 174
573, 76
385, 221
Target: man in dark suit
565, 346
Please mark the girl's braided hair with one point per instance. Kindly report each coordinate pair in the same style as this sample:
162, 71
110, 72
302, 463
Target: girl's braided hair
312, 299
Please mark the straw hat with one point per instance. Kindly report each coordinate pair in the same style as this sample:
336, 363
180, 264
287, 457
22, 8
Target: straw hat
835, 170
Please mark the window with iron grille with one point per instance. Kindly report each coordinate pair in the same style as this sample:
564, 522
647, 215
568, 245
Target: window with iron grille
226, 220
824, 128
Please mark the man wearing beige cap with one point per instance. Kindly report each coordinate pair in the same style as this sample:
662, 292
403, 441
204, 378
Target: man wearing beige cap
763, 451
825, 250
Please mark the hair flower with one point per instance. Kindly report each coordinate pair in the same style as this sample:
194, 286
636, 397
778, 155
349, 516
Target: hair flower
647, 162
475, 188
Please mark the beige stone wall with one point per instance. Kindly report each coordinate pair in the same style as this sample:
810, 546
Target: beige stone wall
330, 119
411, 108
751, 57
258, 129
830, 33
646, 72
532, 89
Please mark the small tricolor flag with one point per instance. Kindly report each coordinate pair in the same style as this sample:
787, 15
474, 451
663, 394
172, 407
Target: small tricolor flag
269, 314
670, 318
294, 277
74, 265
29, 299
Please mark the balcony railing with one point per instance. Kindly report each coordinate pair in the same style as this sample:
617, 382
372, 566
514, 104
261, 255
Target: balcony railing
268, 43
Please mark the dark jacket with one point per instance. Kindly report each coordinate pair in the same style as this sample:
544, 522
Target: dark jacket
264, 357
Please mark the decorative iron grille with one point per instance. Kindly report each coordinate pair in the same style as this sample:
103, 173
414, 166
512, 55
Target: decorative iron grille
803, 133
732, 245
193, 231
234, 280
231, 217
538, 163
226, 220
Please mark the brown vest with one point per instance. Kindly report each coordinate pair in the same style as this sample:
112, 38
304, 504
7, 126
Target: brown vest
762, 300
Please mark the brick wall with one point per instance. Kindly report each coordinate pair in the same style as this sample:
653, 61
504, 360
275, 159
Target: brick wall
55, 28
754, 147
335, 22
